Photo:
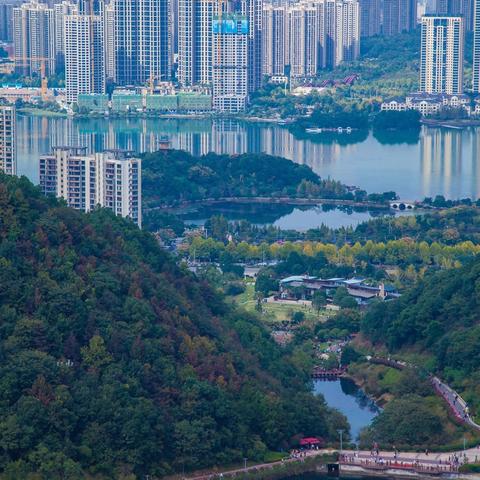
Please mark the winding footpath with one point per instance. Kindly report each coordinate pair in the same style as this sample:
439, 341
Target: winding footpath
457, 404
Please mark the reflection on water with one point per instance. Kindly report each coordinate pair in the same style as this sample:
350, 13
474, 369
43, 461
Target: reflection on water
440, 161
346, 397
285, 217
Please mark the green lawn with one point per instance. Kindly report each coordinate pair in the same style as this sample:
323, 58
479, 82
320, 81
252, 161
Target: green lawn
274, 312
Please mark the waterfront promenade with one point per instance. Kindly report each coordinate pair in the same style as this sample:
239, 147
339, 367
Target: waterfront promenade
426, 463
423, 463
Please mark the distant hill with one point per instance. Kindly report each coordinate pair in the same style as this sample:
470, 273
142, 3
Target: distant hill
116, 363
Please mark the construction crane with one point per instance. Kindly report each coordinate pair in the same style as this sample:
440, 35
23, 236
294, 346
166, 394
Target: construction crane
43, 76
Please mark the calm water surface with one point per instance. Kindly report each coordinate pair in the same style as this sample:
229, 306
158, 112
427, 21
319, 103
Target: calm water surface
286, 217
438, 161
345, 396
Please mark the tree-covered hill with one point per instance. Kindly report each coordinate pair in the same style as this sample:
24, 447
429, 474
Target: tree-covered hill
174, 176
115, 363
440, 318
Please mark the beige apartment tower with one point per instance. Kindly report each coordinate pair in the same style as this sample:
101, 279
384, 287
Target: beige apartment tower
110, 179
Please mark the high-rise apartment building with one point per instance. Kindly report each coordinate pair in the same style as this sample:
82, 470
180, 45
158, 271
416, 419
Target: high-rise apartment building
142, 41
8, 163
274, 39
195, 41
109, 40
442, 50
316, 34
34, 39
111, 179
302, 40
459, 8
230, 62
476, 48
61, 10
370, 17
253, 10
84, 55
399, 16
195, 38
174, 19
350, 30
6, 20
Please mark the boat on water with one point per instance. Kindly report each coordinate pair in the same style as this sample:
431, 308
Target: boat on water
337, 130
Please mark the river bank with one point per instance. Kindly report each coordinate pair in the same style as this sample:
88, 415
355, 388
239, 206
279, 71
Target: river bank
270, 201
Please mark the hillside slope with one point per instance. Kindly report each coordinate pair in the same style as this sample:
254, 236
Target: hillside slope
116, 362
440, 318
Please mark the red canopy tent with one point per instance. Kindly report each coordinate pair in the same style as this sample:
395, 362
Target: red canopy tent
309, 441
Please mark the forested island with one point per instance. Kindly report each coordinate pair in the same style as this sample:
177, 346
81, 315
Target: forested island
117, 363
173, 176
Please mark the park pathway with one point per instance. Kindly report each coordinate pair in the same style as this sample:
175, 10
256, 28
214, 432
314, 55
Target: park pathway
456, 403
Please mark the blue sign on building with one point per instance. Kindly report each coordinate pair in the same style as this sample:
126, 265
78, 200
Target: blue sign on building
230, 25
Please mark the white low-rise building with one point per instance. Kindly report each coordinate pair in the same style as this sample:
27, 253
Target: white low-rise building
427, 104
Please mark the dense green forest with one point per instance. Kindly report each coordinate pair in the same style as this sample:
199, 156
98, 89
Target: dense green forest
116, 363
439, 320
174, 176
392, 120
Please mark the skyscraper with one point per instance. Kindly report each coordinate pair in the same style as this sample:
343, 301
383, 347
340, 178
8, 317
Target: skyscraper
142, 41
61, 10
8, 163
34, 39
441, 60
109, 41
370, 17
84, 55
111, 179
341, 32
350, 30
6, 20
230, 62
195, 37
476, 48
302, 39
399, 16
463, 8
310, 35
253, 9
274, 42
195, 41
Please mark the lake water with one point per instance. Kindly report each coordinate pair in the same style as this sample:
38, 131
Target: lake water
346, 397
438, 161
286, 217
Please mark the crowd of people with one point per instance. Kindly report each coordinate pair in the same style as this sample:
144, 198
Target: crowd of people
376, 461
